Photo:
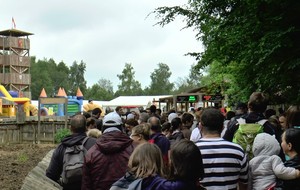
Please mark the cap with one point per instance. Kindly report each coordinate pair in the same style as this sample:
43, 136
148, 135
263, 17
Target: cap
172, 116
130, 116
112, 119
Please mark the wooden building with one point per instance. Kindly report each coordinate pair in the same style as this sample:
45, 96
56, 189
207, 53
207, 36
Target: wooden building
15, 61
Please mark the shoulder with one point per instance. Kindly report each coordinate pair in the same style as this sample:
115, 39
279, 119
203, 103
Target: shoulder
159, 183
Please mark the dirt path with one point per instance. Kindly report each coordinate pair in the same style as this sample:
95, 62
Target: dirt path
17, 160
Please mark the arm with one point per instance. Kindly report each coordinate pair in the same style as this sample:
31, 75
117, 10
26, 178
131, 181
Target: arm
231, 131
283, 172
55, 167
86, 178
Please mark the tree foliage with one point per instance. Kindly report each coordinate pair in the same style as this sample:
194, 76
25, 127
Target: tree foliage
102, 90
129, 86
51, 76
259, 40
160, 81
76, 77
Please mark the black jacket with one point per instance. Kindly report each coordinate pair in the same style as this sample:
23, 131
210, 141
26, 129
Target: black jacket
55, 168
293, 184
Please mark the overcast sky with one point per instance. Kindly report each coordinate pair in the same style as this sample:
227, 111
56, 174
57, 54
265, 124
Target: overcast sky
105, 35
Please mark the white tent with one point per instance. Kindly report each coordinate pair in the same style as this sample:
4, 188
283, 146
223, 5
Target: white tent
133, 101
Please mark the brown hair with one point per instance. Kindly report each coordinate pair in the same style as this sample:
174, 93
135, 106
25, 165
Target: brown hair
293, 116
258, 102
146, 160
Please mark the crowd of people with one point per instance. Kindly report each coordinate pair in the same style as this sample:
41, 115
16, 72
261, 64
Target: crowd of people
251, 147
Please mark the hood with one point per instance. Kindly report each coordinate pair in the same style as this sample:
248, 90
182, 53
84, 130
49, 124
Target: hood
73, 139
113, 142
265, 145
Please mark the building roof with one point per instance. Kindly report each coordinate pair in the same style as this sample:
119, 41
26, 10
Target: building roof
133, 100
14, 32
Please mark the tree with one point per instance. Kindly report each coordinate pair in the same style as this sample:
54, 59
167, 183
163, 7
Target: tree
184, 84
41, 77
259, 39
76, 78
129, 86
160, 84
102, 90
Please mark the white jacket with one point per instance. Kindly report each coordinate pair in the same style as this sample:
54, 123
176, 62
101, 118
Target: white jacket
266, 165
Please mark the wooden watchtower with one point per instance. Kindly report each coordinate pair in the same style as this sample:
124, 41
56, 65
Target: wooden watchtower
15, 61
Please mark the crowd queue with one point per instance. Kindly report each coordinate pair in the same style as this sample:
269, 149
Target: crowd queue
251, 147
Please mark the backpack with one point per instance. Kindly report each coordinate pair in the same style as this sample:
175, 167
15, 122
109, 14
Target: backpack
246, 134
73, 162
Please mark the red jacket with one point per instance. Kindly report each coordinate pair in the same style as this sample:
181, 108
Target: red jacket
106, 161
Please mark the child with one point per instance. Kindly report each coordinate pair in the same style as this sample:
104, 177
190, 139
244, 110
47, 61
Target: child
266, 165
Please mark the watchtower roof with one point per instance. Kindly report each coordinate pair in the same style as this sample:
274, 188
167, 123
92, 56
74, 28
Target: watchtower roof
14, 32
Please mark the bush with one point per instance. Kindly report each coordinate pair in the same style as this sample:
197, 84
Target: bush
60, 134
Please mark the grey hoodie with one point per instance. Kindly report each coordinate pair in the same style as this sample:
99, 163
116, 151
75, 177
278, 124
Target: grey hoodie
266, 165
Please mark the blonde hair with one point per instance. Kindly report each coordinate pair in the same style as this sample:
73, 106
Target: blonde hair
146, 160
94, 133
142, 129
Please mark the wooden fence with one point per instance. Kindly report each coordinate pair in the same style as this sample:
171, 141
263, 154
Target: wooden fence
30, 131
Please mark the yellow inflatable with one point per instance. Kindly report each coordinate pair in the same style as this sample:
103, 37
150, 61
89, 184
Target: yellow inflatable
90, 106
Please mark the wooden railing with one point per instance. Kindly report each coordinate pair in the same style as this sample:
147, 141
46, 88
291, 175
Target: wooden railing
27, 132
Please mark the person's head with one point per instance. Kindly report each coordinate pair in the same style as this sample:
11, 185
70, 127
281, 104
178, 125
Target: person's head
282, 121
119, 110
258, 102
187, 119
144, 116
78, 124
91, 123
186, 161
112, 120
275, 122
140, 133
94, 133
176, 124
241, 108
293, 116
229, 115
212, 121
291, 142
171, 116
152, 109
269, 113
129, 124
165, 128
155, 124
265, 144
96, 112
146, 160
158, 111
86, 114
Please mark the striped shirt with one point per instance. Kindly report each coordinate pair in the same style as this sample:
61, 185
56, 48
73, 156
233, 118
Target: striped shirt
225, 164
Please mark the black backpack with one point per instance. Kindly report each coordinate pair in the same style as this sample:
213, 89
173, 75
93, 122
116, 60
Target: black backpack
73, 162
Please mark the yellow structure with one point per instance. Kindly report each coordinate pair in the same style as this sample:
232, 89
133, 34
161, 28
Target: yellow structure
9, 110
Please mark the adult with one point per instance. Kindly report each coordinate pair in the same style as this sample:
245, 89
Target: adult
291, 147
106, 162
225, 163
90, 106
96, 113
257, 105
175, 133
293, 116
144, 116
187, 122
78, 130
158, 138
153, 112
140, 133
